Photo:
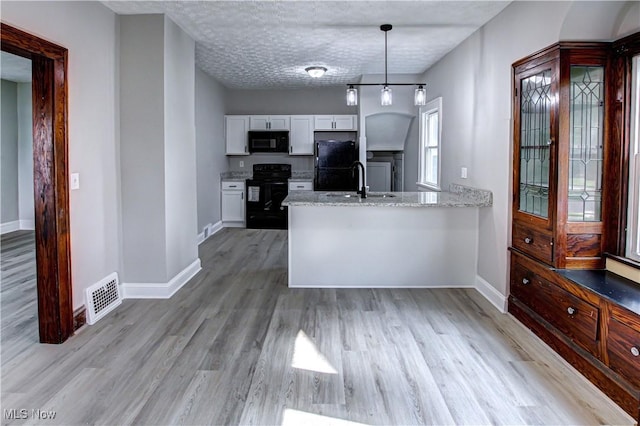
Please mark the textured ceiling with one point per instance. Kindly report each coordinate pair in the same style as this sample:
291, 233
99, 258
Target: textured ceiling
268, 44
15, 68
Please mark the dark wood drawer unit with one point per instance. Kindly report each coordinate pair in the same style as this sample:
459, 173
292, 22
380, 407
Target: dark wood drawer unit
533, 242
572, 316
590, 318
623, 345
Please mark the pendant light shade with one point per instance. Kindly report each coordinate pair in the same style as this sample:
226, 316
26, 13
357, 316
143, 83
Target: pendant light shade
352, 96
386, 97
420, 97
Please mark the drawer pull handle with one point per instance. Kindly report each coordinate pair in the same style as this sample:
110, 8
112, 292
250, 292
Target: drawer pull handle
571, 310
525, 281
233, 186
528, 240
635, 351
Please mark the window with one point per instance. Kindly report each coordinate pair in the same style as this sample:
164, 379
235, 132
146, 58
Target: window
633, 218
430, 136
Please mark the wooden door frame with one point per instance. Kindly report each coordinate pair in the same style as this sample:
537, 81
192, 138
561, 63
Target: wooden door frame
50, 171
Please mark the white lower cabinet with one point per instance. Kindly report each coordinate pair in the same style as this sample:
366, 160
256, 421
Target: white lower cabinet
232, 203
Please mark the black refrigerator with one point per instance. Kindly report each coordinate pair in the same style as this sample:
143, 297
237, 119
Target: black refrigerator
334, 161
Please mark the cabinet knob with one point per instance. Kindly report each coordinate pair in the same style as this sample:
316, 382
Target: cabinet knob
525, 281
528, 240
549, 141
635, 351
571, 310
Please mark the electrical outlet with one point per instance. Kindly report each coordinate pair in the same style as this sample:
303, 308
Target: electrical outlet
463, 173
241, 163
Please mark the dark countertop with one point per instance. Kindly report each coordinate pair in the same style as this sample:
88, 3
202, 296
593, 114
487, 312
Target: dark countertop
620, 290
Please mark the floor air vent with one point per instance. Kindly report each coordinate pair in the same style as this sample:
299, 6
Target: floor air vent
103, 297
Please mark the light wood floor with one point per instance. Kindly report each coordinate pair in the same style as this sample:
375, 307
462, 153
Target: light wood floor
236, 346
18, 293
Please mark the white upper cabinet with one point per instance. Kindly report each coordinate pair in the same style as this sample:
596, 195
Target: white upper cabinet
301, 135
235, 130
269, 122
336, 122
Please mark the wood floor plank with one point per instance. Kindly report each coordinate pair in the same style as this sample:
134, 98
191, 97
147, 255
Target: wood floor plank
18, 293
226, 349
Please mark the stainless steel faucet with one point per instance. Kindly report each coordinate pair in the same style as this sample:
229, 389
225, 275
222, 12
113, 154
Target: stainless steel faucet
363, 190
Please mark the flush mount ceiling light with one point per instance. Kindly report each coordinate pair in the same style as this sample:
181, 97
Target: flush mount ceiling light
420, 96
316, 72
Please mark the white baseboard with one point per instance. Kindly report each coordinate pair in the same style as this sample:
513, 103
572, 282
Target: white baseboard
234, 225
489, 292
9, 227
28, 225
215, 228
160, 290
17, 225
209, 231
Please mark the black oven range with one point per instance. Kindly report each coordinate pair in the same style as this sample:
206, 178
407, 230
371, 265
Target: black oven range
265, 193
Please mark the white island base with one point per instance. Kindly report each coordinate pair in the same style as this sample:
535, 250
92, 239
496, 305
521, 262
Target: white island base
386, 246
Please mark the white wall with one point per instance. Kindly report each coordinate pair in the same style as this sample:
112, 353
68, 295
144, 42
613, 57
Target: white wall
326, 100
475, 83
87, 29
17, 157
210, 146
157, 150
180, 149
142, 154
403, 102
9, 211
25, 156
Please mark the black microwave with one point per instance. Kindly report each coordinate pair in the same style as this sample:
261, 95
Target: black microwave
276, 141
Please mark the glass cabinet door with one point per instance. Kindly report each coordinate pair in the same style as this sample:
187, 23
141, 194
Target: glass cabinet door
586, 143
535, 143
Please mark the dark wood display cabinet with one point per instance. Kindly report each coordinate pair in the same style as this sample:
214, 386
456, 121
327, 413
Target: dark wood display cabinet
563, 121
559, 148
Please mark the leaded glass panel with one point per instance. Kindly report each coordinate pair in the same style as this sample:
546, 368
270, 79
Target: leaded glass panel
586, 143
535, 141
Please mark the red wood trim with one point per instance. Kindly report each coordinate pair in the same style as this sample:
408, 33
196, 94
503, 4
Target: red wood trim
24, 44
50, 153
79, 318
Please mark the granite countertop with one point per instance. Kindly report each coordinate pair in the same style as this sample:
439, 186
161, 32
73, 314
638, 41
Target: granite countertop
235, 175
458, 196
620, 290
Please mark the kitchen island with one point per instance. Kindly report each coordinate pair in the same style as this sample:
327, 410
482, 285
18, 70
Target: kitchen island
400, 239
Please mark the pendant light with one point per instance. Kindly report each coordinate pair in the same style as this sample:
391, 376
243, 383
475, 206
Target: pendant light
386, 98
352, 96
420, 97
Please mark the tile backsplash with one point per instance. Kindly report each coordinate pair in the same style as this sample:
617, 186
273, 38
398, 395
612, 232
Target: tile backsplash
298, 164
